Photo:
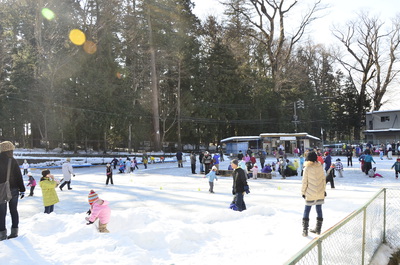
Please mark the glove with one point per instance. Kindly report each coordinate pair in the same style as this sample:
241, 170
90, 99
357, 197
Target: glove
89, 212
304, 196
73, 175
246, 189
325, 193
22, 195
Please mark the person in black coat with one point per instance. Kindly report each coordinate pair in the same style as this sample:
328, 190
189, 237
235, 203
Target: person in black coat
240, 185
17, 188
179, 156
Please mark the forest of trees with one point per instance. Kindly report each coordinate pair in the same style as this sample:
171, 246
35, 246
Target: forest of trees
153, 75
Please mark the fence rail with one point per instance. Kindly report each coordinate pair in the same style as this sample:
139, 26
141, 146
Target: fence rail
356, 238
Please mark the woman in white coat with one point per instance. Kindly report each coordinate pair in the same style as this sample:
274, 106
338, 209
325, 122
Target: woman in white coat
313, 191
67, 172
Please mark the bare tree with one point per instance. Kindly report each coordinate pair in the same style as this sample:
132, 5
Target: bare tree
373, 52
270, 17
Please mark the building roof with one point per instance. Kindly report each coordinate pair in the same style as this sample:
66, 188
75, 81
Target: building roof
241, 139
382, 111
254, 138
382, 130
299, 135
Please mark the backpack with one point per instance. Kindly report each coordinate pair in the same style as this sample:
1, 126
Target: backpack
5, 191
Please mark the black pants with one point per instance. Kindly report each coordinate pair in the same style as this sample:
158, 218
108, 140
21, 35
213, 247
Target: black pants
193, 168
32, 189
49, 209
109, 178
207, 168
64, 183
12, 205
349, 161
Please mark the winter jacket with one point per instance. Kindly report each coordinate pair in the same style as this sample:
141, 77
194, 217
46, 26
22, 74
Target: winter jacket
266, 169
396, 166
255, 171
239, 181
216, 159
101, 210
32, 182
328, 162
211, 176
67, 171
368, 158
207, 159
313, 182
338, 165
16, 181
49, 191
192, 159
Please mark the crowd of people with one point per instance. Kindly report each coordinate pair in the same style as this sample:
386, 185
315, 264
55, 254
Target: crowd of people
317, 169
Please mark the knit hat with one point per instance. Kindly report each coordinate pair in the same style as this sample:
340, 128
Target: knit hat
6, 146
214, 168
338, 159
92, 197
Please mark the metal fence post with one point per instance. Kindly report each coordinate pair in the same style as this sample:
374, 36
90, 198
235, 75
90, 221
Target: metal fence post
384, 215
363, 236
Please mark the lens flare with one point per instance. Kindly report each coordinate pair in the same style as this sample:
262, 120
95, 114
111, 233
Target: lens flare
90, 47
77, 37
48, 14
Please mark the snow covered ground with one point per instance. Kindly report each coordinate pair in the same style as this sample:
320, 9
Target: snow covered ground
165, 215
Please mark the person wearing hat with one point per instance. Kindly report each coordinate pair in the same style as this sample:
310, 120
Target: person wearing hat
109, 173
339, 168
48, 185
239, 186
32, 183
9, 164
67, 171
211, 176
25, 167
99, 209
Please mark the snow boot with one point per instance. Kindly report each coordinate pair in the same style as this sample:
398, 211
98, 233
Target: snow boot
3, 235
103, 228
305, 226
318, 226
14, 233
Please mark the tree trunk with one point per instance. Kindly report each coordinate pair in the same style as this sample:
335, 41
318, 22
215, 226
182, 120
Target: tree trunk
154, 87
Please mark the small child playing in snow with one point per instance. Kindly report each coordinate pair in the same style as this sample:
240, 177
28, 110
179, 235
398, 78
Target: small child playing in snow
396, 167
254, 171
211, 176
372, 173
32, 183
339, 168
98, 210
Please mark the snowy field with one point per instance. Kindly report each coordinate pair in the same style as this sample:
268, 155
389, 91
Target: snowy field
165, 215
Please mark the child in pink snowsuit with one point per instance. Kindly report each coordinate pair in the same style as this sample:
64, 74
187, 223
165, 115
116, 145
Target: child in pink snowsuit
98, 210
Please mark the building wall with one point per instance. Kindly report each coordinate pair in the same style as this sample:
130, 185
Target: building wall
382, 120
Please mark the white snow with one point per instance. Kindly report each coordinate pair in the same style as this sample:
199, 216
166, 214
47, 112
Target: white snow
165, 215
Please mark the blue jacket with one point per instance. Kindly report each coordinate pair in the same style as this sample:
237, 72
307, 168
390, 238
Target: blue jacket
211, 176
368, 158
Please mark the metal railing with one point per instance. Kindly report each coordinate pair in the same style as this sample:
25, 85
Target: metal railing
356, 238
